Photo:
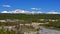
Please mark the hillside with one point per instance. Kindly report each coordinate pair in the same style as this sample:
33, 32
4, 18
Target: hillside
53, 19
29, 17
27, 22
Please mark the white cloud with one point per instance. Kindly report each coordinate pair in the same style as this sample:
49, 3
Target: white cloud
53, 13
39, 12
15, 11
22, 11
19, 11
29, 12
36, 8
6, 5
4, 12
33, 8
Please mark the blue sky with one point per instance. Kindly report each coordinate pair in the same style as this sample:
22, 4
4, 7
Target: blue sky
44, 5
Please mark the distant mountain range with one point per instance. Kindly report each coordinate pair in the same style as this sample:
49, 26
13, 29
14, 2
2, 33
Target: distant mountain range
29, 12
